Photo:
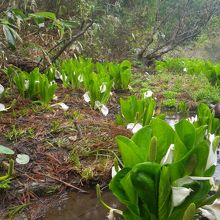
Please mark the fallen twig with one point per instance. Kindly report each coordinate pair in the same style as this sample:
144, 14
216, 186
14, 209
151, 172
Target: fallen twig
61, 181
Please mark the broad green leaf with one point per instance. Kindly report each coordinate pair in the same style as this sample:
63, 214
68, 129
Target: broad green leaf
6, 150
164, 197
145, 179
165, 136
116, 187
186, 132
44, 14
201, 151
131, 194
130, 152
190, 212
142, 138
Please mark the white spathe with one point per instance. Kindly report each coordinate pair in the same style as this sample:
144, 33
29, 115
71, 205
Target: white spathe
52, 82
212, 157
1, 89
2, 107
193, 119
80, 78
185, 69
26, 84
55, 98
57, 74
114, 172
148, 94
179, 194
62, 105
102, 108
103, 88
86, 97
134, 127
111, 216
168, 158
63, 78
208, 214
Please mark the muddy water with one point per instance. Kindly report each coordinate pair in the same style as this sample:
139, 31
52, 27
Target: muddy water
82, 207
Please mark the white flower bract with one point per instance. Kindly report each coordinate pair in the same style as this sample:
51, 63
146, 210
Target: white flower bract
80, 78
1, 89
148, 94
26, 84
103, 88
179, 194
102, 108
193, 119
2, 107
57, 74
212, 157
134, 127
114, 172
62, 105
86, 97
168, 158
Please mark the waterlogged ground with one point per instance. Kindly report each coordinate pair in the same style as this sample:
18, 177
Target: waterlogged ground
83, 207
70, 151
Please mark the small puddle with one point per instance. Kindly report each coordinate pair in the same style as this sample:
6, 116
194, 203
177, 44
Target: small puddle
83, 207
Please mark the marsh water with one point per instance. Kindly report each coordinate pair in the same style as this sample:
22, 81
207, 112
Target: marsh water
83, 207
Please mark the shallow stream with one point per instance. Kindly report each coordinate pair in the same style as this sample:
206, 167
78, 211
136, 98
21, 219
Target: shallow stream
83, 207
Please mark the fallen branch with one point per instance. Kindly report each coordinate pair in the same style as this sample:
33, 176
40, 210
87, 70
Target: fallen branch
63, 182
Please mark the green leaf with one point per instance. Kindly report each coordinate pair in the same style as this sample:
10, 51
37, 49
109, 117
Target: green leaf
190, 212
142, 138
6, 150
44, 14
164, 197
165, 136
186, 132
9, 35
130, 152
116, 187
145, 179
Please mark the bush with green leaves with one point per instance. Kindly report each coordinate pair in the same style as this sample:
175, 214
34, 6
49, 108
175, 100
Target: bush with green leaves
206, 116
120, 74
165, 173
136, 111
191, 66
73, 71
98, 90
35, 86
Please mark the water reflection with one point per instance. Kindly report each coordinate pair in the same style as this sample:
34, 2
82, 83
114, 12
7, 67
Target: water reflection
83, 207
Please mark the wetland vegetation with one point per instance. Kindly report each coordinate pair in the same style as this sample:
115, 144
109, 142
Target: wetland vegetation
85, 91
